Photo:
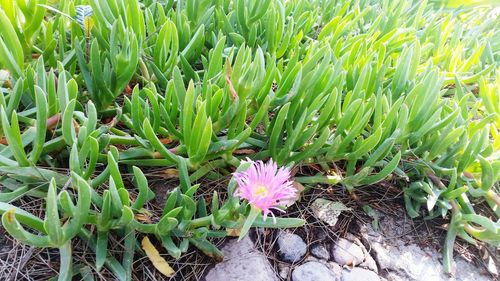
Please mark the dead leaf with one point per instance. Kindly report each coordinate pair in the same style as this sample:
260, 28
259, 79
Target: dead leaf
76, 126
112, 123
300, 188
166, 141
233, 92
88, 23
328, 211
468, 175
170, 173
154, 256
143, 218
5, 79
354, 196
233, 232
53, 120
128, 90
244, 151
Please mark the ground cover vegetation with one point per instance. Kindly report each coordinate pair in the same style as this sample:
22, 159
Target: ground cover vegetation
350, 92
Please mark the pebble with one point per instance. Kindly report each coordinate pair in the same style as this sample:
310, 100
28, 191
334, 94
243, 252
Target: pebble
369, 263
320, 251
291, 247
359, 274
335, 268
321, 234
346, 252
242, 262
313, 271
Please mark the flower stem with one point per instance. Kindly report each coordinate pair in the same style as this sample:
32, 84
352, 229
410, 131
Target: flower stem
252, 216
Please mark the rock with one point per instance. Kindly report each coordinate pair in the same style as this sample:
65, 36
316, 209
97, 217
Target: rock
311, 258
346, 252
466, 271
291, 247
242, 262
328, 211
335, 268
320, 251
399, 258
321, 234
332, 266
369, 262
359, 274
492, 267
313, 271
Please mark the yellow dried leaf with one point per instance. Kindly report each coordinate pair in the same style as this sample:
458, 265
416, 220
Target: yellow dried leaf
170, 173
154, 256
88, 23
143, 218
233, 232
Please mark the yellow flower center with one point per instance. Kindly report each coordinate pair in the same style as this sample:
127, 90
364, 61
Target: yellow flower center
261, 191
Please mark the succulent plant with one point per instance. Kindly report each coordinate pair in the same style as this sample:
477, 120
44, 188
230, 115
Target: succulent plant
365, 90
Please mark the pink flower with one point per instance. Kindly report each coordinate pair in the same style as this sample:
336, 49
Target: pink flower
265, 187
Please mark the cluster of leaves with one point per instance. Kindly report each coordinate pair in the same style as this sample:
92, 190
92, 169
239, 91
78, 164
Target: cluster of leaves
364, 89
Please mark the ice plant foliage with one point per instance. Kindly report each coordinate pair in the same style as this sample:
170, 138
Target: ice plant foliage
265, 187
369, 89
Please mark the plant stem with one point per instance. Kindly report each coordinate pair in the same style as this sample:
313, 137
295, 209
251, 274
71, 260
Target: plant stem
65, 251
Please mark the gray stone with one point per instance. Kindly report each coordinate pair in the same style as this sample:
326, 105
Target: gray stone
332, 266
335, 268
466, 271
359, 274
291, 247
321, 234
313, 271
346, 252
320, 251
242, 262
401, 259
492, 267
369, 262
311, 258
